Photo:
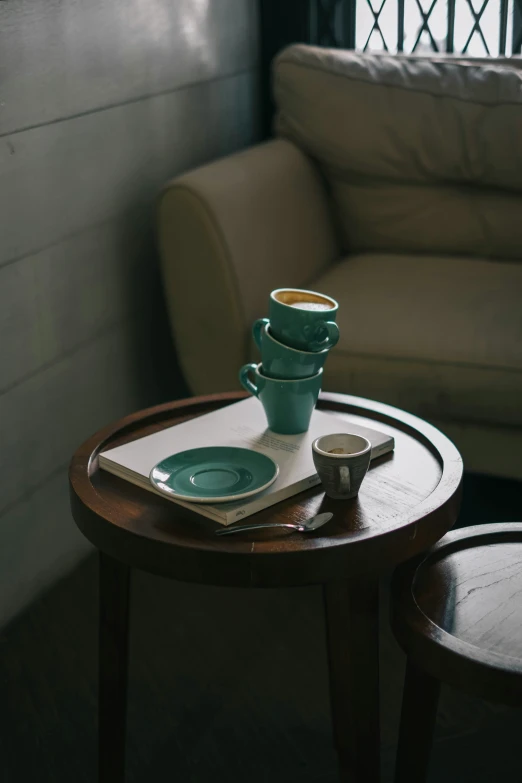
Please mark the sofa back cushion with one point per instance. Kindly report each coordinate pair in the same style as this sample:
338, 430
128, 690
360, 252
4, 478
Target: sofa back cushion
420, 156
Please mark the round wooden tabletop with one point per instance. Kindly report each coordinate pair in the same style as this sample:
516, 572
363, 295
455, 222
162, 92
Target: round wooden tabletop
456, 611
408, 501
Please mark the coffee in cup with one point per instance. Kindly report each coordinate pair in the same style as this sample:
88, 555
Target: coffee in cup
341, 461
304, 300
302, 319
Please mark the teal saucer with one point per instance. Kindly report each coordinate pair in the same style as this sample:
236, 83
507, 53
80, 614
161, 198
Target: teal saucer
216, 474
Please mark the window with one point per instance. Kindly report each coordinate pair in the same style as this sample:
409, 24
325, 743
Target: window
478, 28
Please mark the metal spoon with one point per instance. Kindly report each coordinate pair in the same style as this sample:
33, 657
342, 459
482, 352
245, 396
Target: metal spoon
302, 527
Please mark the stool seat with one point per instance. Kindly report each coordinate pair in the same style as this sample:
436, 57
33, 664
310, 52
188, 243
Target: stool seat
457, 611
457, 614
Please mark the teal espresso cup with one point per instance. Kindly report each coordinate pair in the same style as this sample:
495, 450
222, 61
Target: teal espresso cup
281, 361
288, 404
303, 319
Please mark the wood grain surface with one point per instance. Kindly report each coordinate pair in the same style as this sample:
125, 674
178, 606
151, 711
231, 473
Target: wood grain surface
457, 611
407, 502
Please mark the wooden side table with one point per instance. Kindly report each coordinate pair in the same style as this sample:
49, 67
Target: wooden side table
456, 612
408, 500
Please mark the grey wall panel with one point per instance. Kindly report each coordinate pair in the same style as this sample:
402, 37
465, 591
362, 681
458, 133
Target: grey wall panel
48, 416
39, 540
53, 301
100, 103
59, 59
60, 178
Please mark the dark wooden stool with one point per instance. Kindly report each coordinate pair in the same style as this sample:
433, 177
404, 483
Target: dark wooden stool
457, 614
408, 500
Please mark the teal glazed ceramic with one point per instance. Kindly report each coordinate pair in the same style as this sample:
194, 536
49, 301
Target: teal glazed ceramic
216, 474
288, 404
281, 361
303, 319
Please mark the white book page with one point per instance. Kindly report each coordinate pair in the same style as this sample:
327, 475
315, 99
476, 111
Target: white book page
242, 424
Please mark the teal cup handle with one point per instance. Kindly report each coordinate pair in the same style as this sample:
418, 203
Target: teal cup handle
257, 331
326, 335
245, 381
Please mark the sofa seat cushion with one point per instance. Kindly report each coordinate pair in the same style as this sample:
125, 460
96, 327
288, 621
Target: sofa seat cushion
438, 336
419, 156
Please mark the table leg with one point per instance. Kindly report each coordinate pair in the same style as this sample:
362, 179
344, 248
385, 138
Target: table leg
112, 668
352, 625
418, 717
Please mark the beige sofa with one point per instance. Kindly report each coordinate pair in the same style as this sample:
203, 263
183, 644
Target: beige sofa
395, 186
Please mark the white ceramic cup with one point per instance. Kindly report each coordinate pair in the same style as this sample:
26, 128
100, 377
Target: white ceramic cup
341, 461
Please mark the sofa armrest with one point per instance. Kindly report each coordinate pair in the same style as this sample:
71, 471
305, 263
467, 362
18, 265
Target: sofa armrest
230, 232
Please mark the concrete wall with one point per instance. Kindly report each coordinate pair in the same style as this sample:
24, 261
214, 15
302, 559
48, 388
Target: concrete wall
100, 103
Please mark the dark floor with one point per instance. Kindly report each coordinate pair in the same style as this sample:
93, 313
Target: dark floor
225, 685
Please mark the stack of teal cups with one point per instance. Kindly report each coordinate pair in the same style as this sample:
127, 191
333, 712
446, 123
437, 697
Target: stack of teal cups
294, 343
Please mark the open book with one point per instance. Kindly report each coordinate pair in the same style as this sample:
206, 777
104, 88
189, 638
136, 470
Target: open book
241, 424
